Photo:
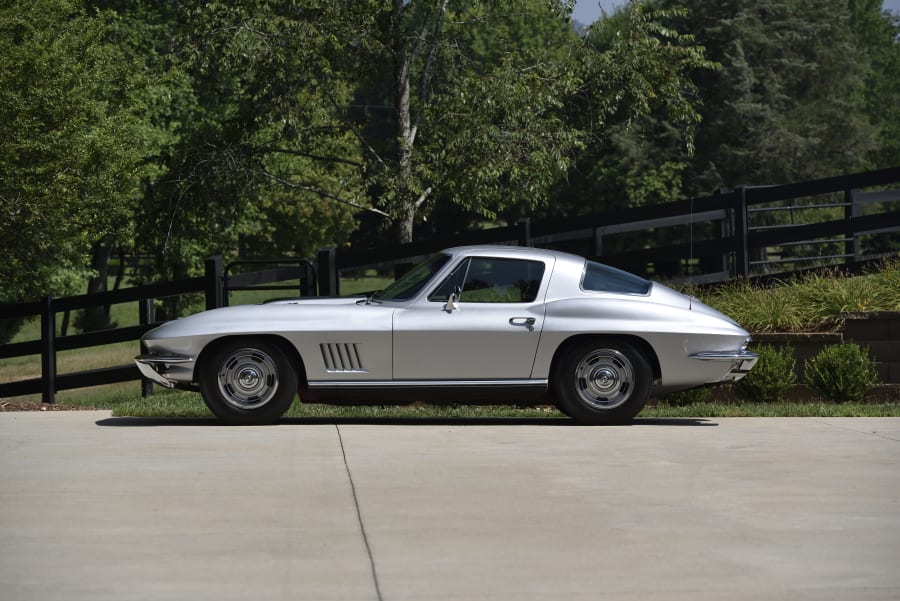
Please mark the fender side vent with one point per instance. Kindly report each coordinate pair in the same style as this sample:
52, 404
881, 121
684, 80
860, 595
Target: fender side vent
341, 357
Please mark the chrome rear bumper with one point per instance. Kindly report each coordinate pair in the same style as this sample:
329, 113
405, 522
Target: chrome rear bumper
742, 362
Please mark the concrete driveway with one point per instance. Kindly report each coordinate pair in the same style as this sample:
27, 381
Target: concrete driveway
95, 508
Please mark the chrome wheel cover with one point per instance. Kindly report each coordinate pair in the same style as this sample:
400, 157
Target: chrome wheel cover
604, 379
248, 379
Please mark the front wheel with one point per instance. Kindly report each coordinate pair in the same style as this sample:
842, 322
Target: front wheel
602, 382
248, 382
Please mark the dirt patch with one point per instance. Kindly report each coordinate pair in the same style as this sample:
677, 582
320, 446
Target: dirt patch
32, 406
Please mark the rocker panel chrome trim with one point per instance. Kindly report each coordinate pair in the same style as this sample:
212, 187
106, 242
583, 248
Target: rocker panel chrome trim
424, 383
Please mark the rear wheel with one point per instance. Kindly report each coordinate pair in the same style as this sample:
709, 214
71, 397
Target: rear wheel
247, 381
602, 382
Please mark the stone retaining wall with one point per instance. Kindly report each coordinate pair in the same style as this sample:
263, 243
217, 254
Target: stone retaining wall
879, 331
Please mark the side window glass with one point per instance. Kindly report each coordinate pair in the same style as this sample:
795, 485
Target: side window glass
603, 278
491, 280
454, 280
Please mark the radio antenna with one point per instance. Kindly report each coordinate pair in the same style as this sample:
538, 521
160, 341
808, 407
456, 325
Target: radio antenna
690, 265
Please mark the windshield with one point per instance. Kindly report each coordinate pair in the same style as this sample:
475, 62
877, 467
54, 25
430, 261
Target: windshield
412, 282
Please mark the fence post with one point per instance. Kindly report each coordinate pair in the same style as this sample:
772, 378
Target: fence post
850, 211
145, 316
307, 279
741, 233
329, 285
48, 352
524, 226
214, 278
598, 242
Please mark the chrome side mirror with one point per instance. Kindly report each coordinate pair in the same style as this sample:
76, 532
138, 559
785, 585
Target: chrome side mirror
453, 301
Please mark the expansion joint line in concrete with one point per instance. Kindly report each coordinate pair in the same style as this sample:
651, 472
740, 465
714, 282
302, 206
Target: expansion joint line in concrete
846, 429
362, 525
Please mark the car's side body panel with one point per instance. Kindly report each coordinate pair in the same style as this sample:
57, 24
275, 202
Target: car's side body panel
673, 333
336, 342
470, 340
486, 342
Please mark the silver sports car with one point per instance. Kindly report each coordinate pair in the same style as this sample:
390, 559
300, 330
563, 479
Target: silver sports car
469, 324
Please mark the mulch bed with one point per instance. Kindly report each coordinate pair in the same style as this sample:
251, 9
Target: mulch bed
33, 406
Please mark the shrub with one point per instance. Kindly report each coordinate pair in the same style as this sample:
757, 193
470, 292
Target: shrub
842, 373
771, 378
686, 397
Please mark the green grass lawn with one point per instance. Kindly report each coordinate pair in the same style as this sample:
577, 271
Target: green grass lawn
173, 404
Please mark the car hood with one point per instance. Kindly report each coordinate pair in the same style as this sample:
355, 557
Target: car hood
307, 314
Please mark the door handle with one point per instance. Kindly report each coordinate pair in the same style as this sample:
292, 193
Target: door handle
527, 322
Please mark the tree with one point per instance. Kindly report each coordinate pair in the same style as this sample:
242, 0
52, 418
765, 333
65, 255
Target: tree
72, 148
255, 158
405, 105
277, 86
492, 103
787, 103
638, 109
471, 112
271, 125
877, 35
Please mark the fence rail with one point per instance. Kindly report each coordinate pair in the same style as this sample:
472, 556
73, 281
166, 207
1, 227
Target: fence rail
721, 231
285, 269
50, 343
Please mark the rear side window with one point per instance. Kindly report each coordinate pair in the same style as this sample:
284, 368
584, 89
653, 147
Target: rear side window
603, 278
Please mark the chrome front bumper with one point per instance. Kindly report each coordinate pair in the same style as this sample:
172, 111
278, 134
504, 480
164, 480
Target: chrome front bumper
156, 367
742, 362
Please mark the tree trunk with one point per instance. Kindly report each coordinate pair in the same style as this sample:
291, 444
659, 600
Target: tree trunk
402, 65
97, 318
407, 49
405, 223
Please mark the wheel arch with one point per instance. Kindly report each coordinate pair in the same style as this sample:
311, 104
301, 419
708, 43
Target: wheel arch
282, 342
637, 342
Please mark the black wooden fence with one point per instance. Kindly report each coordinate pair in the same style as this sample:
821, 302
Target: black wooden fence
710, 239
215, 285
725, 238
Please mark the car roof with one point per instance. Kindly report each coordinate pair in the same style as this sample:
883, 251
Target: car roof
502, 251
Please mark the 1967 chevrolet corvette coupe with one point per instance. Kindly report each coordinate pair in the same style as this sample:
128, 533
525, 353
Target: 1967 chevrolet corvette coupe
469, 324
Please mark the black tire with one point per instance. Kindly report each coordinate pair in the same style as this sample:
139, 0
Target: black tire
602, 382
248, 382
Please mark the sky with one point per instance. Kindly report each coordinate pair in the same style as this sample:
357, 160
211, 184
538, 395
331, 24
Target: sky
587, 11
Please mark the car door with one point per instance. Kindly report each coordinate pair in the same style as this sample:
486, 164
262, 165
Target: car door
491, 332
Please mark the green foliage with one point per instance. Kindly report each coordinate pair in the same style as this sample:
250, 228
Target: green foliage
268, 127
813, 302
506, 141
760, 309
772, 377
73, 147
463, 105
712, 410
843, 373
169, 404
787, 104
877, 35
686, 398
638, 109
259, 160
